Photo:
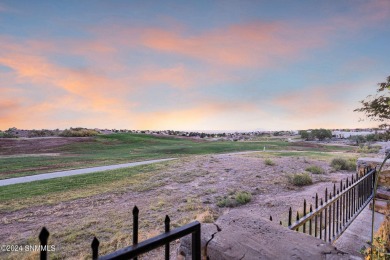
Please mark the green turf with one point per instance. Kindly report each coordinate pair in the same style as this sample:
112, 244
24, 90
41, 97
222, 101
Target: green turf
71, 183
52, 191
126, 147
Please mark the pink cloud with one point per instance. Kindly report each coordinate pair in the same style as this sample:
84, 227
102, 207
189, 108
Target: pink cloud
177, 77
252, 44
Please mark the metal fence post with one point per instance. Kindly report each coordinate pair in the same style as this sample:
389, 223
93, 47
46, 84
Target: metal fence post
196, 244
95, 248
43, 237
135, 226
167, 228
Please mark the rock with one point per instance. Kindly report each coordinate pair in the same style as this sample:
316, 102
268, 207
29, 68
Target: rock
383, 193
384, 177
244, 235
207, 232
381, 206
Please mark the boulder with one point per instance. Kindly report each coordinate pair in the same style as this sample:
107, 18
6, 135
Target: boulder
241, 234
384, 177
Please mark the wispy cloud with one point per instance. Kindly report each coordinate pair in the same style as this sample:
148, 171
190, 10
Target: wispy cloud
116, 71
248, 44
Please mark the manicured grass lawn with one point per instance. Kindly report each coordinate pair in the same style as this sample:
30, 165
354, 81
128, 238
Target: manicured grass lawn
125, 147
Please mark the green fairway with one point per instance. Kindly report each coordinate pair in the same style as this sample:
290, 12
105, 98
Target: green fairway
126, 147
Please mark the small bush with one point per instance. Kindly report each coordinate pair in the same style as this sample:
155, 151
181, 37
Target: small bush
243, 197
301, 179
226, 202
78, 132
269, 162
342, 164
41, 133
7, 134
368, 149
315, 169
239, 198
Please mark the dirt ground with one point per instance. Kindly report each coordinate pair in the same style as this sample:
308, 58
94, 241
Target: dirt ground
187, 189
37, 145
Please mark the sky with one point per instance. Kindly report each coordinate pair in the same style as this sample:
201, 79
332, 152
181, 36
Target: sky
191, 65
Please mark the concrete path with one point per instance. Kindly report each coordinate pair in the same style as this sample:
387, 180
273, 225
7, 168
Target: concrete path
359, 232
52, 175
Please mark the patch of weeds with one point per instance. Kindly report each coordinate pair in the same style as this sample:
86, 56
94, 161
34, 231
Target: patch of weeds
214, 181
146, 186
158, 206
368, 149
343, 164
182, 221
239, 198
231, 191
243, 197
228, 202
380, 250
184, 177
210, 191
315, 169
300, 179
207, 216
269, 162
213, 160
191, 204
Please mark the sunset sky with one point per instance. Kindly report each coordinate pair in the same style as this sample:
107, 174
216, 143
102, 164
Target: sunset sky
190, 65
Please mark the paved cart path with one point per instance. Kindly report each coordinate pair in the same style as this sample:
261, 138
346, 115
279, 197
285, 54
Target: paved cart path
52, 175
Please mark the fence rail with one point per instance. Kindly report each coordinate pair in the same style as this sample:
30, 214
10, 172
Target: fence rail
137, 249
333, 214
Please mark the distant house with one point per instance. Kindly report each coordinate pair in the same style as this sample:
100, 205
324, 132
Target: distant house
344, 134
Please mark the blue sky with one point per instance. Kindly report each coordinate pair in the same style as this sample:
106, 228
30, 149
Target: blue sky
220, 65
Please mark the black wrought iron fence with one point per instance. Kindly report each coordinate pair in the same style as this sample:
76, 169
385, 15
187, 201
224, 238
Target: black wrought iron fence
131, 252
332, 214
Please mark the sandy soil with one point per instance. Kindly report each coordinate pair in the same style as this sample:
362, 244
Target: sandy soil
187, 189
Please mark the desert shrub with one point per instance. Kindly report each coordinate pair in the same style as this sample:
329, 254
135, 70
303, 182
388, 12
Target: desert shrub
41, 133
243, 197
343, 164
301, 179
315, 169
368, 148
269, 162
7, 135
78, 132
226, 202
239, 198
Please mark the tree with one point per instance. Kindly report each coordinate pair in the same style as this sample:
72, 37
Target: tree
304, 134
321, 134
377, 107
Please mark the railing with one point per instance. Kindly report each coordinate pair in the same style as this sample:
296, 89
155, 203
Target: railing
333, 214
137, 249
